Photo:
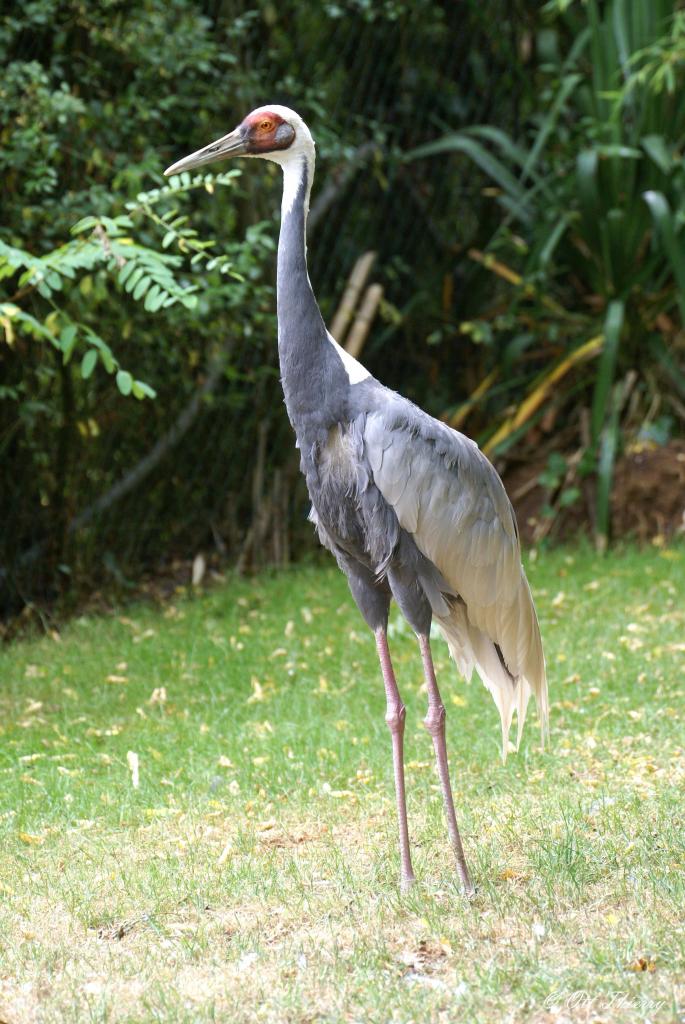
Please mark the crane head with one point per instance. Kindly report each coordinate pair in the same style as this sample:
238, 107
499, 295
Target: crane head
273, 132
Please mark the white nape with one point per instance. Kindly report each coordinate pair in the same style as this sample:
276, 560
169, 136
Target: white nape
293, 172
354, 370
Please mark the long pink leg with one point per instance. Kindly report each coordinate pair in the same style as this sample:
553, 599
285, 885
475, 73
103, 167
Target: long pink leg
394, 716
435, 724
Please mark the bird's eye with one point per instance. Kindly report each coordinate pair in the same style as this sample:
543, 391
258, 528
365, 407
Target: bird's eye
266, 126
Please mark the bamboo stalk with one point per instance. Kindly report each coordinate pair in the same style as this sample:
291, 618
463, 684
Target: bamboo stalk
348, 303
363, 320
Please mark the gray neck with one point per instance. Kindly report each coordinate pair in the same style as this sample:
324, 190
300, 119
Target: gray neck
314, 382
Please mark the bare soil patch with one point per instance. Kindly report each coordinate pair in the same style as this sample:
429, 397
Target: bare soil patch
647, 500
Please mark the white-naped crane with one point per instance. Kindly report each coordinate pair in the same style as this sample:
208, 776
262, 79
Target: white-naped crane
411, 509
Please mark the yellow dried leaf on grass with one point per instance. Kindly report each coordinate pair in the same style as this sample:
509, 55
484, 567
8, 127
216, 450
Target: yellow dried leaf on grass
258, 695
223, 856
262, 729
29, 780
641, 963
146, 635
30, 839
512, 875
133, 762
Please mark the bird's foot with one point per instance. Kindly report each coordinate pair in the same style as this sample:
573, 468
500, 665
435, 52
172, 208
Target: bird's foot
469, 892
407, 882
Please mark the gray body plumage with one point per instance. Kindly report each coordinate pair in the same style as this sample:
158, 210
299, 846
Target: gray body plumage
409, 507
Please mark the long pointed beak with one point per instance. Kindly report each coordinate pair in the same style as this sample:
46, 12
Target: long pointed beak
230, 145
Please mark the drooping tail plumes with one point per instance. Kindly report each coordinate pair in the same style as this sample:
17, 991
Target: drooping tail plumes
471, 648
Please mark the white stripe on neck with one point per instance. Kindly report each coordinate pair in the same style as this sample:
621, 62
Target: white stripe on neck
295, 167
293, 173
354, 370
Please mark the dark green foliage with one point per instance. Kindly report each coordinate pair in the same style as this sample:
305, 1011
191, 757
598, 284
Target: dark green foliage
592, 198
117, 285
165, 289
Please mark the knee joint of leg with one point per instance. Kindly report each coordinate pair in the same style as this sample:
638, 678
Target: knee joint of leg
435, 718
394, 717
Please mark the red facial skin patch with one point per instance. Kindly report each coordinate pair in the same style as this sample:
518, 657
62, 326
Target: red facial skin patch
266, 131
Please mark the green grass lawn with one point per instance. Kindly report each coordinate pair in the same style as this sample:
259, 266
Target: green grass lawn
251, 874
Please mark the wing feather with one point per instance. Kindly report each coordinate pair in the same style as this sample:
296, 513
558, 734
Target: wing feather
448, 496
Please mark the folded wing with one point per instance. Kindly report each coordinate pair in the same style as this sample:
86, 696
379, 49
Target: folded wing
448, 496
